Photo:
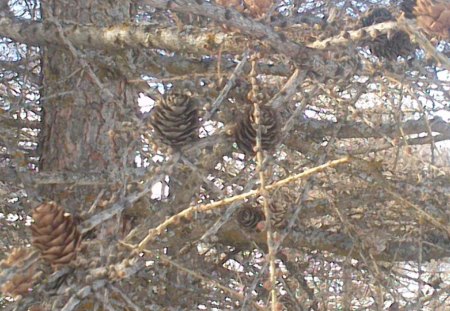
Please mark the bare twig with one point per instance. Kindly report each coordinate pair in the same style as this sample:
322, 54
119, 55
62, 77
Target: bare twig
195, 274
411, 28
230, 82
124, 297
127, 201
190, 211
386, 185
76, 299
262, 187
347, 37
288, 90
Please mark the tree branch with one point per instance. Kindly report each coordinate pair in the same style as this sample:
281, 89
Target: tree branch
233, 18
114, 38
191, 40
435, 246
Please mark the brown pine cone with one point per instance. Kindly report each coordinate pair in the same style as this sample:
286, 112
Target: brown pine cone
175, 120
245, 132
398, 45
387, 46
249, 216
22, 281
55, 234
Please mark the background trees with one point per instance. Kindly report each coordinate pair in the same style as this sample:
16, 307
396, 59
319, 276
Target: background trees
356, 182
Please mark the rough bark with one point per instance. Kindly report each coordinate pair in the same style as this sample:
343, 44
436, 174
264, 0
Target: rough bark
81, 128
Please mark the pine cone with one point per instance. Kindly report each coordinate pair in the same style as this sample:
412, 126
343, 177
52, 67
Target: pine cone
175, 120
249, 216
388, 46
391, 48
245, 132
55, 234
433, 16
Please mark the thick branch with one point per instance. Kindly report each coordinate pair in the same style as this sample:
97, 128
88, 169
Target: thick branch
313, 128
179, 65
435, 247
9, 174
191, 40
342, 244
122, 36
234, 19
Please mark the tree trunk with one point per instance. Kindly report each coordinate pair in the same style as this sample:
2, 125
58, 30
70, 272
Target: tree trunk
81, 120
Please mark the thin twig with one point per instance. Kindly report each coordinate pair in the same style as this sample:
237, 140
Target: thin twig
262, 188
127, 201
124, 297
190, 211
197, 275
346, 37
386, 185
95, 203
76, 299
237, 71
414, 31
288, 90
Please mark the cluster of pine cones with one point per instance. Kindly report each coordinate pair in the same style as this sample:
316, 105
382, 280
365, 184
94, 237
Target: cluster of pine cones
175, 120
175, 117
